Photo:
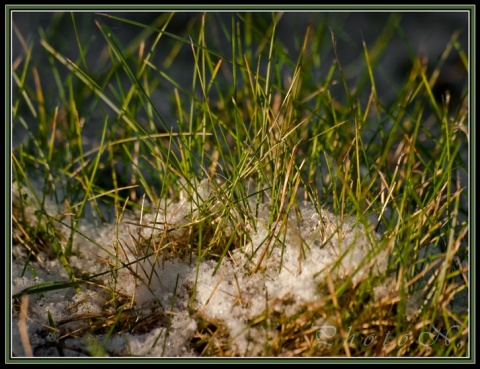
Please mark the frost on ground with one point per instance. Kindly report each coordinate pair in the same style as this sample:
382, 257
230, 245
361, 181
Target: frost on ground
142, 302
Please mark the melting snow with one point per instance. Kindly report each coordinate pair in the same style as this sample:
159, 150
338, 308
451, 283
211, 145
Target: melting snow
282, 272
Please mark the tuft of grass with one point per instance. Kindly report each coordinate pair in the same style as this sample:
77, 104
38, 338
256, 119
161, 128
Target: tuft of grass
116, 139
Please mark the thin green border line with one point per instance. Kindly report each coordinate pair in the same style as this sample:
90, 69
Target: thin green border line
253, 7
91, 7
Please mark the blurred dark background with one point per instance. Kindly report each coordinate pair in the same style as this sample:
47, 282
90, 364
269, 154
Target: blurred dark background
425, 34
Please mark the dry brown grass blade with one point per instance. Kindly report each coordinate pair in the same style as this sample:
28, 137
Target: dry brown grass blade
22, 326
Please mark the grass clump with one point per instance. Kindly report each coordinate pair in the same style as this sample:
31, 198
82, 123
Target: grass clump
168, 182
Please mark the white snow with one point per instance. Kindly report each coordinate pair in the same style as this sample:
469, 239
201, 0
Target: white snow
296, 261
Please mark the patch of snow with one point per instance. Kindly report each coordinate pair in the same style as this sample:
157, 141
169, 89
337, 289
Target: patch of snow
282, 268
